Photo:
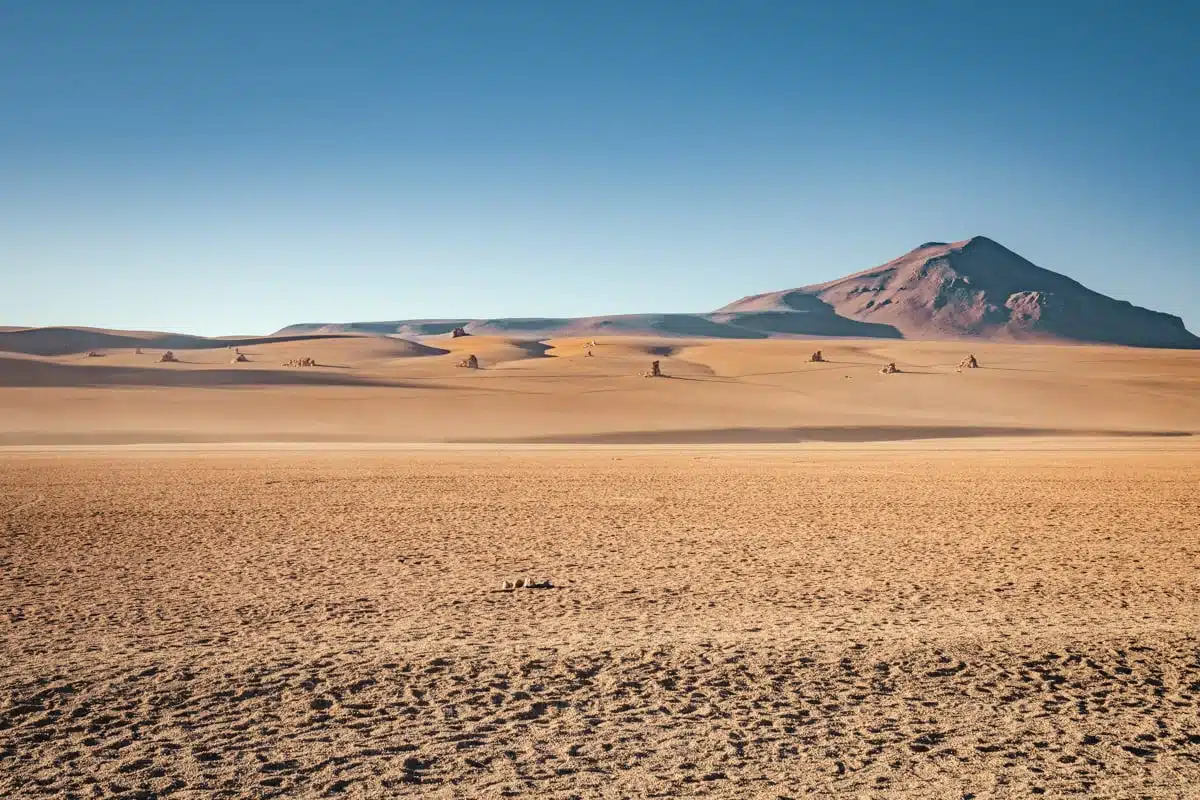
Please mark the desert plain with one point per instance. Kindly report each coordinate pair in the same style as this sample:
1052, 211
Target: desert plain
770, 578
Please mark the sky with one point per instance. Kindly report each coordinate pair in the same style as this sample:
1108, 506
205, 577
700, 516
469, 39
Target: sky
232, 167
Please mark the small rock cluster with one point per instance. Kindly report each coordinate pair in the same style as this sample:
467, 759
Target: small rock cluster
301, 362
525, 583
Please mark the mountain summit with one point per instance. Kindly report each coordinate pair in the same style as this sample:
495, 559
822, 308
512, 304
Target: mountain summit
980, 289
974, 289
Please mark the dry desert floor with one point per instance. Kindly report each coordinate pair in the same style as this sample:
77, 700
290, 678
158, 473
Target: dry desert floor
771, 578
982, 618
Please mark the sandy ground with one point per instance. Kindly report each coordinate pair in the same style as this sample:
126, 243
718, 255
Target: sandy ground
773, 578
974, 618
371, 389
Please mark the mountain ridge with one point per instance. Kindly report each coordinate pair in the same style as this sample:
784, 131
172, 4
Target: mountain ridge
973, 288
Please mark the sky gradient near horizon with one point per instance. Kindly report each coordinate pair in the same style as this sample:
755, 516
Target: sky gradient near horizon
234, 167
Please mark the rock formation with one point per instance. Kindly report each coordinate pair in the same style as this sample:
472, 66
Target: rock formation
301, 362
458, 332
889, 368
654, 372
968, 363
525, 583
817, 358
168, 358
470, 362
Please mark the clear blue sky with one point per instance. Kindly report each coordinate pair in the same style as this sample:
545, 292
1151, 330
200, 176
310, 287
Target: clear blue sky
232, 167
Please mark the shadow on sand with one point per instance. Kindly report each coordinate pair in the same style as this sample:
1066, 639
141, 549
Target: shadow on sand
846, 433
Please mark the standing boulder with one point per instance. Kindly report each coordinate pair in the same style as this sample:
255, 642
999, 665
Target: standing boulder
968, 363
817, 358
168, 358
654, 372
470, 362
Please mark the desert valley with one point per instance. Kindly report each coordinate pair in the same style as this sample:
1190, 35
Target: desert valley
283, 565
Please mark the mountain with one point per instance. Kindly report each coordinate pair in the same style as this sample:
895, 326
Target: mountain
978, 288
973, 289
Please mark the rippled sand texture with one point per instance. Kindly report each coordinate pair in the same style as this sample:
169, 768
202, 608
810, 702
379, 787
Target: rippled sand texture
980, 621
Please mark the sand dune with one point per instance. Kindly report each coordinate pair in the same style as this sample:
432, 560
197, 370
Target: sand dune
371, 388
114, 360
547, 327
492, 351
30, 373
67, 341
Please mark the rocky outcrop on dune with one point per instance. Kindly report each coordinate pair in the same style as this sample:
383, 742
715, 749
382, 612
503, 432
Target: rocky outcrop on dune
980, 289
